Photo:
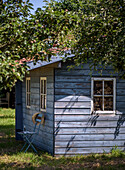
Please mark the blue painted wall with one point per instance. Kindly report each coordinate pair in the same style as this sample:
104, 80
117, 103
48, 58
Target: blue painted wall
19, 113
77, 131
70, 128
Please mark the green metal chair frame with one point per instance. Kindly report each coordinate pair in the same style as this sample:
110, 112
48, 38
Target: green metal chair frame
29, 136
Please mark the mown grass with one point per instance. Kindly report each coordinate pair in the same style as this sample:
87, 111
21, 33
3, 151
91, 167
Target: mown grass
11, 158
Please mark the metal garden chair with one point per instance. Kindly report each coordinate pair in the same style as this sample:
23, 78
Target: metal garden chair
29, 136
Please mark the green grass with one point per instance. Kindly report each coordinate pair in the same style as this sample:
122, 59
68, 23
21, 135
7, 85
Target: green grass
11, 158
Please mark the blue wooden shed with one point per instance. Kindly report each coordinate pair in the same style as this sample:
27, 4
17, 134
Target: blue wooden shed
85, 111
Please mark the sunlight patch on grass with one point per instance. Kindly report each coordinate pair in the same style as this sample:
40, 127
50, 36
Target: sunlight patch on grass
7, 122
12, 158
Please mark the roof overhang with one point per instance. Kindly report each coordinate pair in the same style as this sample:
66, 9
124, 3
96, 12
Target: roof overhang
53, 59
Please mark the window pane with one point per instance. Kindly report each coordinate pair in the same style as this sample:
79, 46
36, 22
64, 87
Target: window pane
29, 99
45, 102
43, 93
42, 86
108, 87
108, 103
97, 103
41, 102
97, 87
29, 85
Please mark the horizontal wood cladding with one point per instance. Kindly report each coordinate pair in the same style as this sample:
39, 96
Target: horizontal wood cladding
83, 66
81, 104
84, 111
73, 91
84, 72
76, 130
85, 92
82, 144
65, 98
43, 146
72, 85
89, 130
70, 104
70, 111
86, 124
72, 79
88, 137
45, 138
120, 92
86, 118
43, 129
36, 86
120, 85
120, 104
119, 98
41, 71
47, 116
85, 150
48, 123
35, 92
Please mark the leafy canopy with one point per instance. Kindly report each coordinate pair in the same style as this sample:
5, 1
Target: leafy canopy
92, 30
13, 40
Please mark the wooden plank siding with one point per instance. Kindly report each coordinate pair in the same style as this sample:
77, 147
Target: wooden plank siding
44, 140
76, 130
19, 109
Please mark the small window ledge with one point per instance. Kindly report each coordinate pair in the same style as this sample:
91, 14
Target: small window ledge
43, 110
28, 107
104, 112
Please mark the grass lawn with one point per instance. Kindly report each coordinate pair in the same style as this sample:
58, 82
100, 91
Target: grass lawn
11, 158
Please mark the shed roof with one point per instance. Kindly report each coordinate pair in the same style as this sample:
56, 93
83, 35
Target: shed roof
40, 63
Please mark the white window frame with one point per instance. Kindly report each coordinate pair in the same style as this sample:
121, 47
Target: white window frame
43, 78
27, 92
114, 94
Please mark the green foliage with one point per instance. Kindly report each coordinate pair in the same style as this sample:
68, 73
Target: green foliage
13, 28
116, 152
92, 30
21, 36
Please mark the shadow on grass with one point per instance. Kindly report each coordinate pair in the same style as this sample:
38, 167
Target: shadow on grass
16, 165
9, 145
12, 158
7, 117
7, 127
29, 166
10, 150
7, 130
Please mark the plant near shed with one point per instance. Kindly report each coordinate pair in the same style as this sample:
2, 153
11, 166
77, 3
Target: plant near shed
92, 30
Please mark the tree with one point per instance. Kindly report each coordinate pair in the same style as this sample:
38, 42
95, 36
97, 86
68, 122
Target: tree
13, 42
92, 30
23, 37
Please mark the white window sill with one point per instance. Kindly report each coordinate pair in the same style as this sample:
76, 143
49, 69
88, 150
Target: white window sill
105, 112
28, 107
43, 110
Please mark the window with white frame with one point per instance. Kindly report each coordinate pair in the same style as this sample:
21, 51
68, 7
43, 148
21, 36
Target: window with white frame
43, 90
28, 92
103, 94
